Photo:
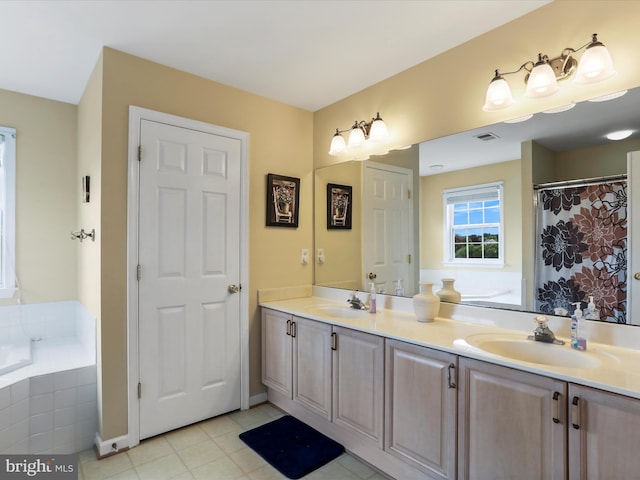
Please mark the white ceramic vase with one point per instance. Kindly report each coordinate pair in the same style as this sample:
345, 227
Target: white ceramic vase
448, 293
426, 304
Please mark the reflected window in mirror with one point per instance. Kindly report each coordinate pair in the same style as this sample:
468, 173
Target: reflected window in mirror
474, 225
7, 211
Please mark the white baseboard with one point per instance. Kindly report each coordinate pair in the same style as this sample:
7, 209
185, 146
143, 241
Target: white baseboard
111, 446
257, 399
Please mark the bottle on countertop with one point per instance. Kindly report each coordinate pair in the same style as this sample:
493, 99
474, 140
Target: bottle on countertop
372, 298
578, 338
398, 290
592, 312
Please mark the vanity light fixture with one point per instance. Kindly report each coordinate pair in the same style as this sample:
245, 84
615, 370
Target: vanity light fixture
361, 133
543, 76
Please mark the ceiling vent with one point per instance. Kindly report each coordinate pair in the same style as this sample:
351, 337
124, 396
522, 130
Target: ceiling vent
485, 137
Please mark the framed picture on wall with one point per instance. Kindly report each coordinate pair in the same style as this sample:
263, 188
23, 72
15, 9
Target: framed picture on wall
339, 206
283, 197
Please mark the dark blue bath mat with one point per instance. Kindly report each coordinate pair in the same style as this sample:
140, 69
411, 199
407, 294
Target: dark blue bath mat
292, 447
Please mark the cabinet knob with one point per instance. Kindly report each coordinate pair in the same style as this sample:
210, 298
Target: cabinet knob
636, 275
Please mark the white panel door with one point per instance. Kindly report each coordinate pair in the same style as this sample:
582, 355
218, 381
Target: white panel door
387, 227
189, 325
633, 237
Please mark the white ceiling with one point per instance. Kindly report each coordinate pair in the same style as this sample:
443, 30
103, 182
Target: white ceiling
306, 53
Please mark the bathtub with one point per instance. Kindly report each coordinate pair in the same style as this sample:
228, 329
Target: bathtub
15, 355
48, 384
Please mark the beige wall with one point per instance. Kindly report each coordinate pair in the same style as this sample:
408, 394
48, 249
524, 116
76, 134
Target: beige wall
444, 95
47, 191
89, 159
343, 264
280, 141
599, 161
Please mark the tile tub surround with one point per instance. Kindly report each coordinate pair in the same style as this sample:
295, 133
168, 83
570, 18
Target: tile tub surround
50, 406
395, 319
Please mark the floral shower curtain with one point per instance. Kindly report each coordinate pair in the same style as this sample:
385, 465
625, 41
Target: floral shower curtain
581, 249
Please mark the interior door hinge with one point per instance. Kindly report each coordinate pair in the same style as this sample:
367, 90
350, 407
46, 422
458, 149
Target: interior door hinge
138, 272
409, 259
139, 390
139, 153
409, 193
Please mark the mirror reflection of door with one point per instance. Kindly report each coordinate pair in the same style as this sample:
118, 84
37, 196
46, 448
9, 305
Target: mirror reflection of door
387, 228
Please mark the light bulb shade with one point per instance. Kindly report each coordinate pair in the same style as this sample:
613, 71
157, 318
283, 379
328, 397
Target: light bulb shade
356, 138
542, 81
338, 145
595, 65
498, 95
378, 131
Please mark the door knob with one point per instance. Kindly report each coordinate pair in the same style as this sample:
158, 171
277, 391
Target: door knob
233, 288
636, 275
372, 276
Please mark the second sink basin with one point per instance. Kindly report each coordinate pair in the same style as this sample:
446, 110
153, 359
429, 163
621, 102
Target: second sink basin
520, 348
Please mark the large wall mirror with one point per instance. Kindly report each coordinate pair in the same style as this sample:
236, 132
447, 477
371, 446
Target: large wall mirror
399, 232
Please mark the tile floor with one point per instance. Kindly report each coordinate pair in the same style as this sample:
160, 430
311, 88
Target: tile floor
210, 450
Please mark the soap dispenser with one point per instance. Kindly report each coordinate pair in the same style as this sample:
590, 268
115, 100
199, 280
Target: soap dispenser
398, 290
592, 312
578, 339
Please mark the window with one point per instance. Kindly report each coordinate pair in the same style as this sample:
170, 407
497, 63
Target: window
7, 211
474, 225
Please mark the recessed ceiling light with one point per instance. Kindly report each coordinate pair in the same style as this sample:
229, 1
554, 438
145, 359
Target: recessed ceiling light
436, 166
609, 96
619, 135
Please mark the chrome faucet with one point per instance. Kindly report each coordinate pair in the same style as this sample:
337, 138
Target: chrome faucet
356, 303
543, 333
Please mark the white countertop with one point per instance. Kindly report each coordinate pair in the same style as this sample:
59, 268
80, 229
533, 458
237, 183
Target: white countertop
617, 370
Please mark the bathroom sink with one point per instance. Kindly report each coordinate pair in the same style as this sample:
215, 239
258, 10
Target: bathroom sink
520, 348
342, 312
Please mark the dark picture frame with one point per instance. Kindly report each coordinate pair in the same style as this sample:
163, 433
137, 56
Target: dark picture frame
339, 206
283, 200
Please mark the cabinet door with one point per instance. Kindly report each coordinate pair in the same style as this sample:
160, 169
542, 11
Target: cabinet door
420, 409
605, 444
506, 426
358, 383
276, 351
312, 365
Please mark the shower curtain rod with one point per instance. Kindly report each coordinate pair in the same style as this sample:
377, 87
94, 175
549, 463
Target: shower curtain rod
580, 182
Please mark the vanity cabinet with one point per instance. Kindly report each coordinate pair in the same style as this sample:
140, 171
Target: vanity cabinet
402, 408
277, 347
358, 383
334, 372
297, 359
420, 407
604, 433
511, 423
